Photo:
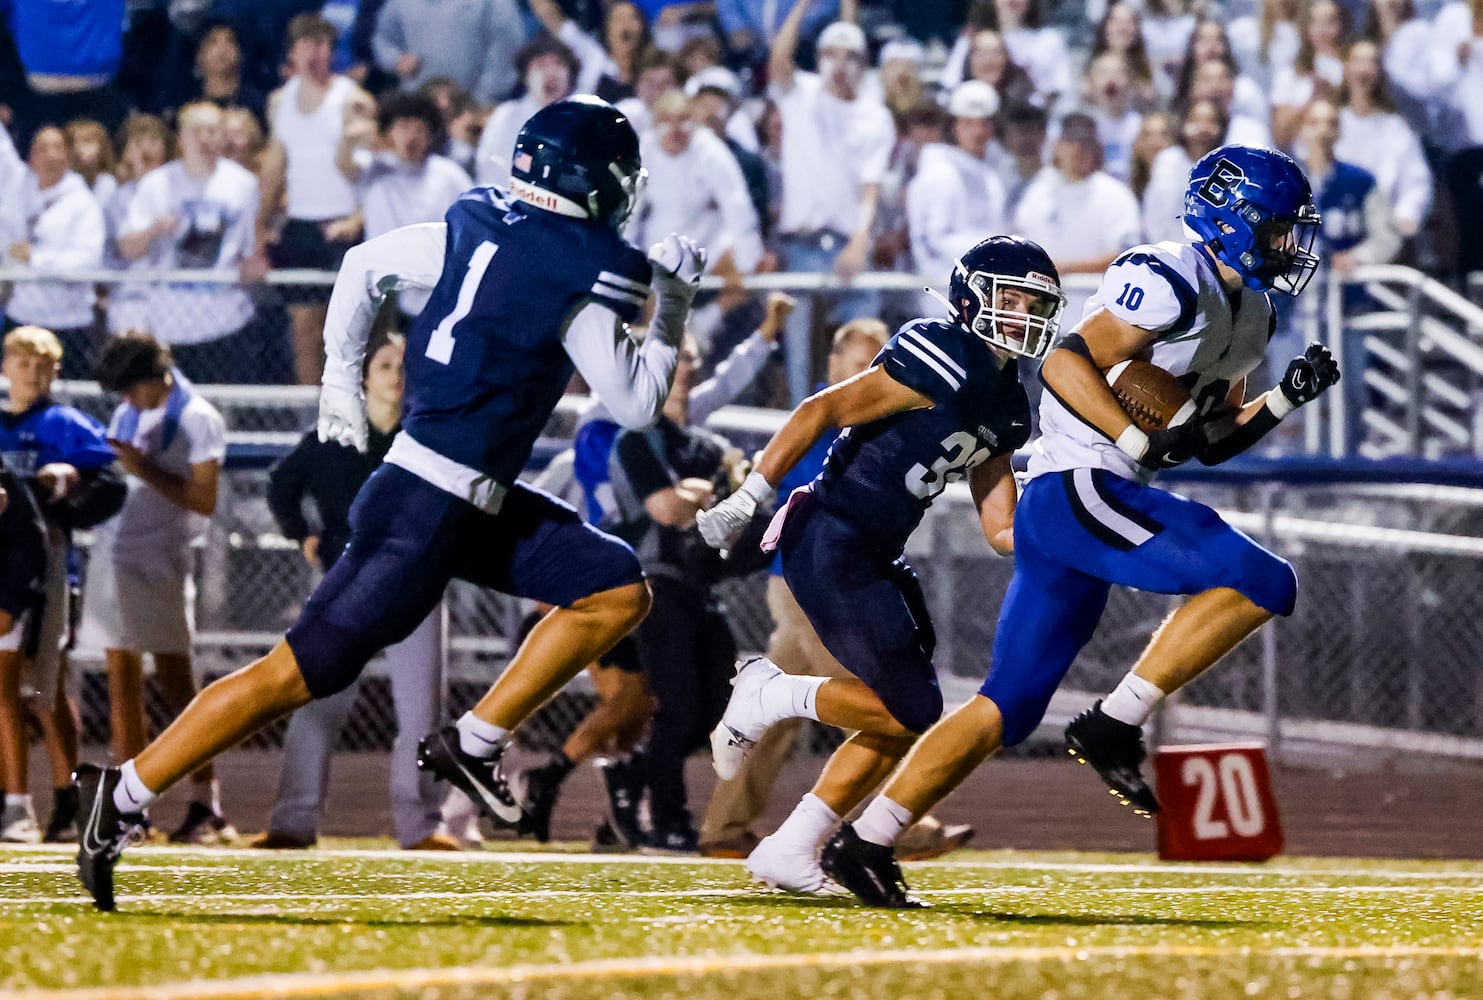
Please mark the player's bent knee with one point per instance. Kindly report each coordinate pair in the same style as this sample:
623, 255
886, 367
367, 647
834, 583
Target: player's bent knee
1268, 581
625, 607
916, 711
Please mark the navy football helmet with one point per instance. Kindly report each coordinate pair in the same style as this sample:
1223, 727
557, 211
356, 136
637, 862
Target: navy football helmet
1254, 209
997, 265
580, 158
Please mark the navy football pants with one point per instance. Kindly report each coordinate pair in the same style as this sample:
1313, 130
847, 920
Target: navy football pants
409, 539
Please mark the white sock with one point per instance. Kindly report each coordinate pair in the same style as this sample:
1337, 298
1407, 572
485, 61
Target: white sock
479, 738
882, 821
131, 794
809, 824
1133, 700
19, 801
790, 697
207, 793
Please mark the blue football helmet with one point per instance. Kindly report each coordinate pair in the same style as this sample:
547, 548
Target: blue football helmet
1008, 263
1254, 209
580, 158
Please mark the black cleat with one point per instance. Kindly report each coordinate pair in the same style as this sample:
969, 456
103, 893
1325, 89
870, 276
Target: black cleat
868, 870
1116, 750
620, 776
103, 831
542, 786
204, 825
62, 827
481, 779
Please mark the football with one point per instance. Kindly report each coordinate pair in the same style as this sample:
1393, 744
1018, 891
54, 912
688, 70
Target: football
1151, 396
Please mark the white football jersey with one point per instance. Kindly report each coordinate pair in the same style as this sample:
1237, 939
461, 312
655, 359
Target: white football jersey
1172, 288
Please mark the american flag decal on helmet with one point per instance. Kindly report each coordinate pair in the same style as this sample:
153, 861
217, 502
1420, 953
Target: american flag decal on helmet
522, 161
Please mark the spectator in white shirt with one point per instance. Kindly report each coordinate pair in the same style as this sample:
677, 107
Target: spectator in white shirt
658, 74
1202, 129
836, 147
956, 199
1120, 33
695, 185
55, 225
1214, 80
1167, 25
1407, 51
1209, 42
1025, 129
1109, 102
1267, 42
549, 70
1323, 34
148, 144
1457, 82
401, 180
1374, 136
1082, 216
199, 212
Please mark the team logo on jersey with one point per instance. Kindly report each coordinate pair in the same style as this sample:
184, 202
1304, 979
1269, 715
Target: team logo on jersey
1217, 187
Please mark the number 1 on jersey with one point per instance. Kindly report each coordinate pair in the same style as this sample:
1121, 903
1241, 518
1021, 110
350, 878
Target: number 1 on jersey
440, 343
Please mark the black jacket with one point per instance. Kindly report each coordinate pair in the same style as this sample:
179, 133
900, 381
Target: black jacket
22, 548
330, 475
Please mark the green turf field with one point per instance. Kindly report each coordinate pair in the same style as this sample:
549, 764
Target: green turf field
370, 923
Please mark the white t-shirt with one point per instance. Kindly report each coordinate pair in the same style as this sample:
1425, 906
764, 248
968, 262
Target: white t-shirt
1384, 145
831, 149
953, 203
1245, 34
1074, 220
1041, 52
1117, 135
1172, 288
1163, 199
64, 226
1290, 89
151, 531
216, 219
702, 194
395, 193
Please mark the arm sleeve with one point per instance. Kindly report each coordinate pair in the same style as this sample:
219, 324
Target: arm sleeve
914, 360
409, 257
641, 467
732, 376
1382, 242
288, 481
386, 41
631, 378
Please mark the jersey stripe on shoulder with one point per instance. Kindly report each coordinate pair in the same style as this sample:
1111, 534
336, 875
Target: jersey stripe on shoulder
931, 362
614, 291
936, 351
619, 281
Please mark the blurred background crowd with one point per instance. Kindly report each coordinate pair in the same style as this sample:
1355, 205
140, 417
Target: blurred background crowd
841, 136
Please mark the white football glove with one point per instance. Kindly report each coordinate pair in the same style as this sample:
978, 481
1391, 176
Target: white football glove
723, 524
678, 264
342, 417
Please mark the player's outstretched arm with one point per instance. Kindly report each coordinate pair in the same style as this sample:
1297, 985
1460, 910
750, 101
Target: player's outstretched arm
871, 395
994, 495
1307, 378
409, 257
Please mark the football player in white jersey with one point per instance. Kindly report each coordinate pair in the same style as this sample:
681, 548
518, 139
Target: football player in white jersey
1088, 518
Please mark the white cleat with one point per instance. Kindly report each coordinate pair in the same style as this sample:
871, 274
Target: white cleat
19, 826
743, 723
789, 868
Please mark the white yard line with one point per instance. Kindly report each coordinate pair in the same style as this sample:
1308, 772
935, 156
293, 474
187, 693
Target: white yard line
331, 984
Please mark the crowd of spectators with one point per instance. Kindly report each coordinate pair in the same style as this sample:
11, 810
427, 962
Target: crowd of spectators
815, 135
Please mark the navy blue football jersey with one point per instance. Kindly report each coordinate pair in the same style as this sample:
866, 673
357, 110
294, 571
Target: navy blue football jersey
485, 361
883, 476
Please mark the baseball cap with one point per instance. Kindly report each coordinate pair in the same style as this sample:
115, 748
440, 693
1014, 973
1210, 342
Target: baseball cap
973, 99
907, 49
714, 78
842, 35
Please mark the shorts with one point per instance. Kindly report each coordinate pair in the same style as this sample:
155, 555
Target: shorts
137, 608
302, 244
867, 607
409, 539
42, 632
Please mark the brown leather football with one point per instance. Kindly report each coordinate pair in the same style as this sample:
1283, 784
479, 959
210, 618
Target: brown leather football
1150, 395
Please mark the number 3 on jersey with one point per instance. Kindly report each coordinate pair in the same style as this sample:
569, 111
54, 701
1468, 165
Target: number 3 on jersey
927, 484
440, 342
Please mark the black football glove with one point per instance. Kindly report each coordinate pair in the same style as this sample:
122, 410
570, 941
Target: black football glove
1176, 445
1307, 377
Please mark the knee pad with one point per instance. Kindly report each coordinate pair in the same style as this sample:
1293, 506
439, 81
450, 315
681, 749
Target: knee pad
1267, 580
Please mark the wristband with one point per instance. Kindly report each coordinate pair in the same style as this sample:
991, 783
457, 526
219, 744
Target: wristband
757, 487
1279, 404
1133, 442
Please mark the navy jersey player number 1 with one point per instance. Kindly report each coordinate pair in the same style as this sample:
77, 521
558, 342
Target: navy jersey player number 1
524, 286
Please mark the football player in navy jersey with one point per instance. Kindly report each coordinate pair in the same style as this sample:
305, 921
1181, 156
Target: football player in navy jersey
524, 286
942, 402
1088, 518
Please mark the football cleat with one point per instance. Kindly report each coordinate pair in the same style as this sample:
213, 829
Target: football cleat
1116, 750
103, 831
205, 826
481, 779
680, 840
787, 867
868, 870
18, 826
621, 778
743, 722
542, 785
61, 828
